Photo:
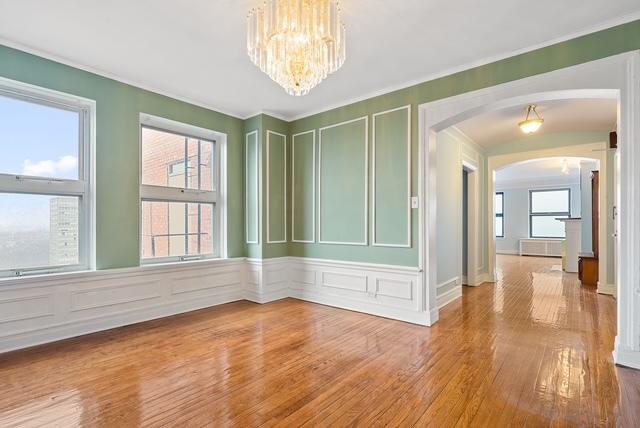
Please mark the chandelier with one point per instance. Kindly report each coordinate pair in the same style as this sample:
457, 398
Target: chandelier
297, 43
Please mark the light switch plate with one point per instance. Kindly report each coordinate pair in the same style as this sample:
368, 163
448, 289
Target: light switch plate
414, 202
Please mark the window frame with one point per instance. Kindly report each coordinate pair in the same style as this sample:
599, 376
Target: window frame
549, 213
83, 187
216, 197
501, 215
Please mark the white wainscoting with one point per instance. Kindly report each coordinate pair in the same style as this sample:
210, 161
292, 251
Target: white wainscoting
266, 279
383, 290
38, 310
48, 308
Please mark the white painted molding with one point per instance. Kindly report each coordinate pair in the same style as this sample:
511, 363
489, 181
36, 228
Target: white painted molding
580, 81
608, 289
469, 66
293, 189
246, 187
383, 290
451, 281
448, 297
373, 179
366, 183
43, 309
284, 139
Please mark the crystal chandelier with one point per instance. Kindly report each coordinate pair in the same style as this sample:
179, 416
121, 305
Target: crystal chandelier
297, 43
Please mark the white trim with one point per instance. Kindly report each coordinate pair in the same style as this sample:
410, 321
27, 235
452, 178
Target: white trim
627, 347
468, 66
84, 187
366, 182
451, 281
75, 304
580, 81
284, 240
290, 118
293, 188
448, 297
246, 188
373, 179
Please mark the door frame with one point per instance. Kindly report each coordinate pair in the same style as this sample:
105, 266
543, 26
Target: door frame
620, 73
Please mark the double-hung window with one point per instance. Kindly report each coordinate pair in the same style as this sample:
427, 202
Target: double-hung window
499, 208
545, 207
180, 197
45, 181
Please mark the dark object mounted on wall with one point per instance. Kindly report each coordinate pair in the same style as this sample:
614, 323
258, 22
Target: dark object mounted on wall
613, 140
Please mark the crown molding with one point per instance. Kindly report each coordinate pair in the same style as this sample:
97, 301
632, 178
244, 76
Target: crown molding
624, 19
113, 76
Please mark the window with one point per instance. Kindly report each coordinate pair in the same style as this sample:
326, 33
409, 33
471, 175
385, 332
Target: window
545, 206
499, 203
179, 191
44, 181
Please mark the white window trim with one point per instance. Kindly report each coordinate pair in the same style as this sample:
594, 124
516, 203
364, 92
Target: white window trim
170, 194
84, 187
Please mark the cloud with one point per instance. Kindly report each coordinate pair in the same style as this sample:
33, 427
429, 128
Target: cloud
50, 168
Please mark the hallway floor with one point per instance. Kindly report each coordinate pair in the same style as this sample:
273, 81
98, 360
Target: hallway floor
533, 349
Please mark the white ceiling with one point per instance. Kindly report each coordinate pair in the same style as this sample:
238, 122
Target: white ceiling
195, 49
499, 126
547, 171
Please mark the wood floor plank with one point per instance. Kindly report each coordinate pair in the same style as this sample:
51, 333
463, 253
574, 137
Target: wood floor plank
533, 349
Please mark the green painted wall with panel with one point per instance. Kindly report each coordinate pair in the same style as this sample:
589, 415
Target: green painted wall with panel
337, 219
266, 187
118, 106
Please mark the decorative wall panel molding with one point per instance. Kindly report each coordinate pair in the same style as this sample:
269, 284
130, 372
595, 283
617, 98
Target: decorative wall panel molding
391, 178
343, 183
276, 188
252, 188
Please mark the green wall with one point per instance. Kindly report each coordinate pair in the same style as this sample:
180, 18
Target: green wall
591, 47
117, 150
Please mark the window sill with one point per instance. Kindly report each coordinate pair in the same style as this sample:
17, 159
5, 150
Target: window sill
58, 278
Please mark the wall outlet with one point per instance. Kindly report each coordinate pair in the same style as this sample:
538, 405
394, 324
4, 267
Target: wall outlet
414, 202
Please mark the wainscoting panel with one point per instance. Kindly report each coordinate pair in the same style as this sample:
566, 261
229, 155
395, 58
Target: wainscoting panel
48, 308
388, 291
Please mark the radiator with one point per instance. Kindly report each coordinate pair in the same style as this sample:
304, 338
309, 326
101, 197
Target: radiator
541, 247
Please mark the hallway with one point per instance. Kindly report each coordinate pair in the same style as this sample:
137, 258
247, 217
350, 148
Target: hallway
533, 349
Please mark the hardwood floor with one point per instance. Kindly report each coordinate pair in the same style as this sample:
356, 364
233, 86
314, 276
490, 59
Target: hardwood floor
533, 349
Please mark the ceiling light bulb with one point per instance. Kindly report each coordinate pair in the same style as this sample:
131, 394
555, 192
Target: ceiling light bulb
529, 126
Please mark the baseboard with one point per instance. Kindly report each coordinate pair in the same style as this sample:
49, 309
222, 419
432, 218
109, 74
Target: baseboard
609, 289
508, 252
627, 358
449, 296
484, 277
451, 282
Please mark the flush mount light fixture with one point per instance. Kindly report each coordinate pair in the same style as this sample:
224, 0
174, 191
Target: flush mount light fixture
531, 124
297, 43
